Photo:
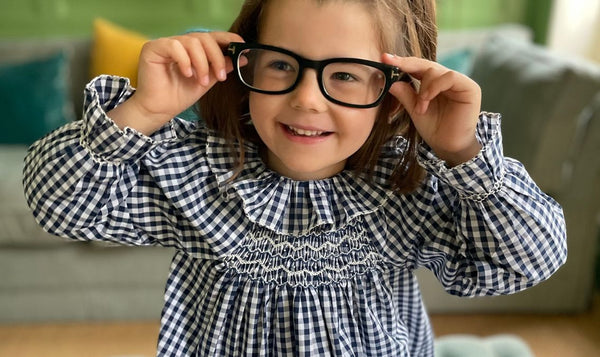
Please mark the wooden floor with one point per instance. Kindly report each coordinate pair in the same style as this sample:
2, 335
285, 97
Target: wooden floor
547, 335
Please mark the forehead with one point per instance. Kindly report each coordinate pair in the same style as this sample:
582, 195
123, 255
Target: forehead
321, 29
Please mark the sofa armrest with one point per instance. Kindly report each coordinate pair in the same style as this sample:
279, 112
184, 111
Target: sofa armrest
580, 197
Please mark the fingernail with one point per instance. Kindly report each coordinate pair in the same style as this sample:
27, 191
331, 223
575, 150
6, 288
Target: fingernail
222, 75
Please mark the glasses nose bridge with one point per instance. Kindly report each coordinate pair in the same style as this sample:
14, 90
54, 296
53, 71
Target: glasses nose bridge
305, 64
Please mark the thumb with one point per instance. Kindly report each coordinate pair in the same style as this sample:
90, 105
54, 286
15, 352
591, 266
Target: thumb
405, 95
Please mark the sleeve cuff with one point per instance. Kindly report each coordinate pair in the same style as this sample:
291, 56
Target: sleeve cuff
101, 136
479, 177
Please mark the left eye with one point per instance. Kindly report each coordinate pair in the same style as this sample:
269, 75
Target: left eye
344, 76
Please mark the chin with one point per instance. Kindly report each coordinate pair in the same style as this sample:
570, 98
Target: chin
309, 172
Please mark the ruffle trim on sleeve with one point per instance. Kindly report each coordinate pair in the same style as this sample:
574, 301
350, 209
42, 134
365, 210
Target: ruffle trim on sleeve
102, 137
479, 177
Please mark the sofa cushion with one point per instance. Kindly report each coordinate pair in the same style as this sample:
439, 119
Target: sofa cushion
115, 50
34, 97
539, 94
76, 49
562, 131
82, 281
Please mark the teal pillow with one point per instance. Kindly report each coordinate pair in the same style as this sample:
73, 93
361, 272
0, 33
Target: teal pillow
198, 29
34, 97
190, 114
459, 60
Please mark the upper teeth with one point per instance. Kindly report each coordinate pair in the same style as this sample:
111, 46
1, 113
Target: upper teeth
305, 132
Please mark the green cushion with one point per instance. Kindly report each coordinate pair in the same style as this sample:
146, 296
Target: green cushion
33, 98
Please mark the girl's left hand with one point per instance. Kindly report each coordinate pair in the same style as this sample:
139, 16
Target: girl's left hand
444, 111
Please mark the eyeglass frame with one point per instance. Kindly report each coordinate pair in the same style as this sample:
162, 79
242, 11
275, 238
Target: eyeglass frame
392, 73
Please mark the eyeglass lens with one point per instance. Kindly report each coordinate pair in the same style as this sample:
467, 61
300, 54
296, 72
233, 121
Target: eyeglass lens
351, 83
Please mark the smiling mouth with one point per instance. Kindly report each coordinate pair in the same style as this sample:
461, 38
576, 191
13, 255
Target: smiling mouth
306, 133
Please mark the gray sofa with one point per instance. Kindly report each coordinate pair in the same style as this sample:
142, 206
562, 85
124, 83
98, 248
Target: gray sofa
551, 111
551, 120
45, 278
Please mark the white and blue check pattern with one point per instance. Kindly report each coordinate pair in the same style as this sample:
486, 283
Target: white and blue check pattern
269, 266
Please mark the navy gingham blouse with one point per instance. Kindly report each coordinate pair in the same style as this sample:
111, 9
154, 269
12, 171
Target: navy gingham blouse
269, 266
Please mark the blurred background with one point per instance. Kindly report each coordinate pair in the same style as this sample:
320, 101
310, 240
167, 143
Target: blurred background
537, 61
569, 25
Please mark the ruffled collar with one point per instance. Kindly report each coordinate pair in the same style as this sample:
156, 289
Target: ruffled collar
288, 206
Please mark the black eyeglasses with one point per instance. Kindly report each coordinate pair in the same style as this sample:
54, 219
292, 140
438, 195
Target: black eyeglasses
351, 82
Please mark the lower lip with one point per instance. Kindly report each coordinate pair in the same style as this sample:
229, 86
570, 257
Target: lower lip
303, 139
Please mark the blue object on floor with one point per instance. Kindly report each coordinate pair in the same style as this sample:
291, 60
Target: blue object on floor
474, 346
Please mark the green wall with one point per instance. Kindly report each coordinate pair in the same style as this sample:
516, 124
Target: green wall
44, 18
456, 14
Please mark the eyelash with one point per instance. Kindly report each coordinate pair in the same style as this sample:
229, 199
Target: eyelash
345, 74
279, 64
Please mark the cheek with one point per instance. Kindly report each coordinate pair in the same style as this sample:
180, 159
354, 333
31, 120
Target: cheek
260, 110
255, 106
370, 123
360, 124
263, 107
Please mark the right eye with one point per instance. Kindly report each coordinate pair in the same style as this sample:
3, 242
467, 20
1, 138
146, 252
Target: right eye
280, 65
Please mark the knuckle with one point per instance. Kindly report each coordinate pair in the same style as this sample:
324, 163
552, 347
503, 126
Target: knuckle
171, 42
450, 75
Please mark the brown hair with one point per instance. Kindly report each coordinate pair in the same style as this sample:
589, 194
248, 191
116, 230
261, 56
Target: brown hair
406, 28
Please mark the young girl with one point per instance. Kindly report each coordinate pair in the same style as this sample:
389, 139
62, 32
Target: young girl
321, 179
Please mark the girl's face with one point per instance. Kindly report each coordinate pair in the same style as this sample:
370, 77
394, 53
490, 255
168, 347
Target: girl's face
307, 136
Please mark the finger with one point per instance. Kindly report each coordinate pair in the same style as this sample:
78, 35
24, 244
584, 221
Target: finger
224, 38
433, 82
414, 66
406, 96
168, 50
215, 58
221, 37
197, 55
428, 80
452, 85
211, 57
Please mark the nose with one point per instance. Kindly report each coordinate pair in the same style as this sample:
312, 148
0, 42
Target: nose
307, 95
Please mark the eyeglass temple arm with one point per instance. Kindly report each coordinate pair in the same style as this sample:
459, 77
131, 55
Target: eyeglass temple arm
399, 76
231, 49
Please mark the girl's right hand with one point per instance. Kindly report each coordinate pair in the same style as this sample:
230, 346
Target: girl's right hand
173, 73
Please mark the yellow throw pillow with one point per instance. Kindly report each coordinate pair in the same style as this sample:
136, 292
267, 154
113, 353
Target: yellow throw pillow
115, 50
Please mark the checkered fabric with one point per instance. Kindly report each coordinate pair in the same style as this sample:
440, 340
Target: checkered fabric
269, 266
